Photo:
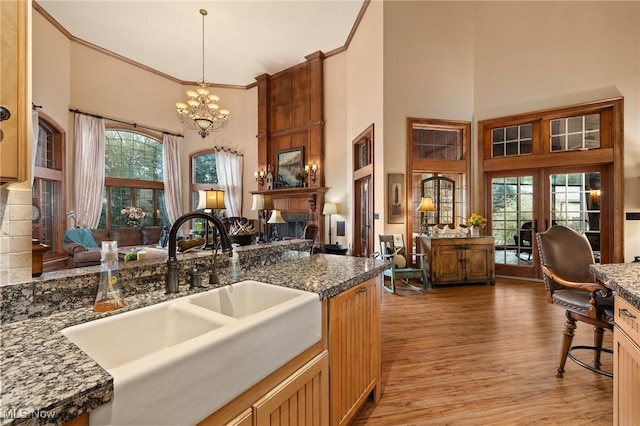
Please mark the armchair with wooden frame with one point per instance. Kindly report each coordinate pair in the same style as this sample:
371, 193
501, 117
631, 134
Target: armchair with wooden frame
565, 257
392, 248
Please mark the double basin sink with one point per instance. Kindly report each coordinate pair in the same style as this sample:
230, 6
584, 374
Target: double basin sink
178, 361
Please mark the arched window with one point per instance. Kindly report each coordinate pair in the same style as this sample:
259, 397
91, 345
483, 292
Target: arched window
133, 178
48, 218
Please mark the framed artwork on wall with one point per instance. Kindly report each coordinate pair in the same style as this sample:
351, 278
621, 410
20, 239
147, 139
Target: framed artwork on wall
290, 162
396, 198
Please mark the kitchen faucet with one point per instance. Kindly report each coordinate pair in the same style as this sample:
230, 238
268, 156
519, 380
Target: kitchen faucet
172, 262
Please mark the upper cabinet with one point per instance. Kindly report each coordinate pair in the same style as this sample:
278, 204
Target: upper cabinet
13, 92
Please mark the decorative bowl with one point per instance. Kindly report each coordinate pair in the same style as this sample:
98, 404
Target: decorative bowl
243, 240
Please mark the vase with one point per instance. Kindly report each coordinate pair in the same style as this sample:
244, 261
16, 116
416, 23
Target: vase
475, 231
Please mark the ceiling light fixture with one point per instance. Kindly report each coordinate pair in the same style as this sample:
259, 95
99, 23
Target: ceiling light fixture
202, 112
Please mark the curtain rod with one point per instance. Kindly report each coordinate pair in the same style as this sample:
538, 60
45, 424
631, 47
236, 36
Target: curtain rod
135, 125
224, 148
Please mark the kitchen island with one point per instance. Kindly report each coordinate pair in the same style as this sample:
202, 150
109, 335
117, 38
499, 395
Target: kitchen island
47, 379
624, 279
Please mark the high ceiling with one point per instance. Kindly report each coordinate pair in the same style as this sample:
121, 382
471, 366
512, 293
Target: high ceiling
243, 39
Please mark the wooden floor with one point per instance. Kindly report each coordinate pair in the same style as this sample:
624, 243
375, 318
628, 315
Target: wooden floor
483, 355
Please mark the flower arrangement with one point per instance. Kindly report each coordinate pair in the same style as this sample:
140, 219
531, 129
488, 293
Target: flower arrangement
302, 176
476, 220
133, 215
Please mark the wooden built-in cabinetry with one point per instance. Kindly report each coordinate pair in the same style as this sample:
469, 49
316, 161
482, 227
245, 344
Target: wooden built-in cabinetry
354, 349
458, 260
291, 115
14, 126
626, 365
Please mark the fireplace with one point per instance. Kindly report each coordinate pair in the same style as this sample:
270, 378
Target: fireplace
296, 221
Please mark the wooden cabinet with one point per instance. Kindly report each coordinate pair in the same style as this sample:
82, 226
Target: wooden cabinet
14, 124
626, 364
302, 399
354, 349
458, 260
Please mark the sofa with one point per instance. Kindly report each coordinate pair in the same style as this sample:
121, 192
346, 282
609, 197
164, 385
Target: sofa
83, 248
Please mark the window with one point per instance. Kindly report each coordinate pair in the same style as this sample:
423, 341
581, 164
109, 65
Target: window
439, 165
575, 133
512, 140
204, 174
133, 178
47, 190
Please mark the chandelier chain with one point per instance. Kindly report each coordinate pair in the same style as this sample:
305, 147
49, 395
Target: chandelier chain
202, 112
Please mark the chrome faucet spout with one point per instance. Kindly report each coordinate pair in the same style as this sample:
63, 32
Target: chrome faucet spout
171, 281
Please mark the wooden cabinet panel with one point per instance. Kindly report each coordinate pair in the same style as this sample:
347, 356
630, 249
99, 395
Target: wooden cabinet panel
354, 347
458, 260
13, 92
626, 365
244, 419
302, 399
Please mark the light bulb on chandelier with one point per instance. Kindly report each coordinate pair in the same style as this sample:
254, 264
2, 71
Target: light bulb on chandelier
201, 112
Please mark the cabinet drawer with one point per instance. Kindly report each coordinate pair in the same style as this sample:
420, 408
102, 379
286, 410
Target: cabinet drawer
627, 319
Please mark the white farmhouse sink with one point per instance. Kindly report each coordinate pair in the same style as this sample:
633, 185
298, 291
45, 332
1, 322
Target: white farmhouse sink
176, 362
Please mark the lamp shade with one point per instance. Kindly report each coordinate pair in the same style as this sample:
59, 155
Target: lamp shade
426, 205
262, 202
276, 217
330, 208
210, 199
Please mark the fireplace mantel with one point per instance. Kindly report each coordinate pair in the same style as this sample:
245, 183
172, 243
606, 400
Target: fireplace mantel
308, 200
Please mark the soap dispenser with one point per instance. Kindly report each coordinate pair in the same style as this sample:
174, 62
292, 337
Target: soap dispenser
235, 263
109, 296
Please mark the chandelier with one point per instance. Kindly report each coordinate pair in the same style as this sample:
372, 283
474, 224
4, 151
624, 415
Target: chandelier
201, 112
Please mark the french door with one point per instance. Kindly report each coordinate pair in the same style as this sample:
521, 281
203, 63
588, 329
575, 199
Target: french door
530, 201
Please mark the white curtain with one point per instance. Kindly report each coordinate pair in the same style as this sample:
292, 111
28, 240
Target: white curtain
89, 142
35, 129
172, 176
229, 167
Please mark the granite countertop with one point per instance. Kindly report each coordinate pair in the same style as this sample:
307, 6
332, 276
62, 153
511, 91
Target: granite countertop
48, 380
623, 278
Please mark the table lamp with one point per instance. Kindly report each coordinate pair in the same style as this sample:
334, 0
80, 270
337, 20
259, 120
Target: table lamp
426, 205
262, 203
209, 200
275, 219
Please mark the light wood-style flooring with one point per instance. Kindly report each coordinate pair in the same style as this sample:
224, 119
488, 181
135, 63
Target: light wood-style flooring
483, 355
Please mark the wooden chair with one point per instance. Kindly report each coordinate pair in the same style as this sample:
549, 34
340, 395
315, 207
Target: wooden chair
392, 248
565, 258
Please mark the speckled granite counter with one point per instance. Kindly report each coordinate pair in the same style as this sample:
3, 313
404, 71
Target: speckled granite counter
48, 380
623, 278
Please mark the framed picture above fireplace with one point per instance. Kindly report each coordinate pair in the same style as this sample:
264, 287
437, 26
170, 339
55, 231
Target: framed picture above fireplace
290, 163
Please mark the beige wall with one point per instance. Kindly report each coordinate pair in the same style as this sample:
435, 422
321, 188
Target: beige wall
353, 101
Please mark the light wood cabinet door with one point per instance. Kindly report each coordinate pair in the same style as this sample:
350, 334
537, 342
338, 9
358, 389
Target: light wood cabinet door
626, 364
14, 125
354, 347
458, 260
302, 399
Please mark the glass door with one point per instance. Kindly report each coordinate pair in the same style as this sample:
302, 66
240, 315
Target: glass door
522, 205
515, 207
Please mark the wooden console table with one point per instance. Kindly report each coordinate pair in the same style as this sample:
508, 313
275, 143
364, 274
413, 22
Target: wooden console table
458, 260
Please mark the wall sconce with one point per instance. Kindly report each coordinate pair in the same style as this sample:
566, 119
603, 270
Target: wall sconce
259, 175
313, 171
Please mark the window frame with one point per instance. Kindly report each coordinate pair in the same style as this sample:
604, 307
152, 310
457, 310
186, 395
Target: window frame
132, 184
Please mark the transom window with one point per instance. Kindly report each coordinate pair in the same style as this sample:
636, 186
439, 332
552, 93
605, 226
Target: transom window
512, 140
572, 133
436, 144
